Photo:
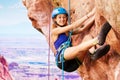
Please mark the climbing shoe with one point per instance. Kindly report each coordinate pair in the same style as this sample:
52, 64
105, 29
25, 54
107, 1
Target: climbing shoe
100, 52
103, 33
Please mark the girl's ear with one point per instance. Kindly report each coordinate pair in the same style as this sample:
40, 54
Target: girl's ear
54, 19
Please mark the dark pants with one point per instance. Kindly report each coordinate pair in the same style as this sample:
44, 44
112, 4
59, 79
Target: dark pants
66, 65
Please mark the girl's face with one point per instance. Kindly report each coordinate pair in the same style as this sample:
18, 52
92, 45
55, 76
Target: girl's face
61, 19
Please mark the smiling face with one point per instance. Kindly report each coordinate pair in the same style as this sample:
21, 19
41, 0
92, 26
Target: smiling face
61, 19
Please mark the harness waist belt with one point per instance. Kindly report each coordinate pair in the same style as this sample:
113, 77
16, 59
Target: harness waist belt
64, 45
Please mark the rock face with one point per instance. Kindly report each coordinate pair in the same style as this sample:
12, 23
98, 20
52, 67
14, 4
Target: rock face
4, 72
106, 68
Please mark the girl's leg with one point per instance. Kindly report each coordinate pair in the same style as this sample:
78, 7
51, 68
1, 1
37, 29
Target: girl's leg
74, 51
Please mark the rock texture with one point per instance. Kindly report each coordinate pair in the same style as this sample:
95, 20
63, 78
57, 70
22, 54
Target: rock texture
4, 72
106, 68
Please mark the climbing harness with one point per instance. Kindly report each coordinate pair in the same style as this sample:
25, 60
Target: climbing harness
65, 44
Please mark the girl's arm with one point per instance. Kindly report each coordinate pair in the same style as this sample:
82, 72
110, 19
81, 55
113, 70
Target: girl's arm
85, 26
74, 25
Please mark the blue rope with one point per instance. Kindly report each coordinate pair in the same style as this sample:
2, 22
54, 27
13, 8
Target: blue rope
69, 40
63, 66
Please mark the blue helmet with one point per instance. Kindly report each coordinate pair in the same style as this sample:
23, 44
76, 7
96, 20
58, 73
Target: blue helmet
58, 10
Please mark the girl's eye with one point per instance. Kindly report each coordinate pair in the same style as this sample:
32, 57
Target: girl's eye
59, 17
64, 17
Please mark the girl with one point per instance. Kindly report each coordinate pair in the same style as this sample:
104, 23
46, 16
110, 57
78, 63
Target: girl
66, 54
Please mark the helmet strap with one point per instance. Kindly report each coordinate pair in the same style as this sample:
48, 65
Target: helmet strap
58, 24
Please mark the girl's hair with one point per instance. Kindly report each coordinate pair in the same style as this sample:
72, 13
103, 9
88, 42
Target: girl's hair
53, 25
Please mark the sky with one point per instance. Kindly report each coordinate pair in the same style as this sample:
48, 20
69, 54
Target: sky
14, 21
16, 30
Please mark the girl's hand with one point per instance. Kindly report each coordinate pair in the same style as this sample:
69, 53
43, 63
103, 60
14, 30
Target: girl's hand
91, 13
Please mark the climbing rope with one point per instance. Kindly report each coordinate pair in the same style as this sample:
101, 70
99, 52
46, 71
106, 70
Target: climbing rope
49, 54
69, 21
49, 43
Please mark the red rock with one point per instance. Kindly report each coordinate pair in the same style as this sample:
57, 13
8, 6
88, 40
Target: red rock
4, 72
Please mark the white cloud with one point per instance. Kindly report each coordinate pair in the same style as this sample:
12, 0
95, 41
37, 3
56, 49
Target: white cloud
12, 17
1, 6
10, 22
17, 5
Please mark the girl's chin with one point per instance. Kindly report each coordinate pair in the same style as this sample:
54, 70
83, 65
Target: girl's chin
62, 25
